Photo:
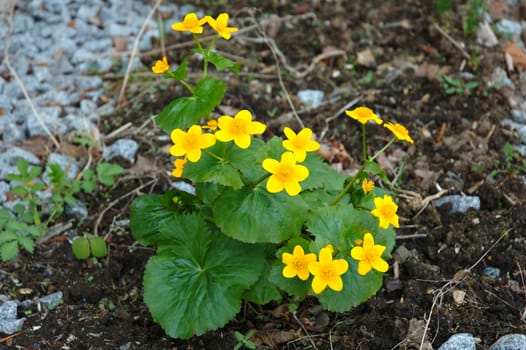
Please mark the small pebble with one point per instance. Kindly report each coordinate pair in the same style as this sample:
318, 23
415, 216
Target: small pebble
459, 204
460, 341
311, 98
492, 272
510, 342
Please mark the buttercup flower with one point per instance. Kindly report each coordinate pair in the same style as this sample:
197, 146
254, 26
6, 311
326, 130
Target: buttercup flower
363, 115
179, 164
220, 25
300, 144
369, 256
161, 66
285, 174
327, 272
297, 263
385, 210
238, 128
190, 143
399, 131
211, 124
367, 186
190, 24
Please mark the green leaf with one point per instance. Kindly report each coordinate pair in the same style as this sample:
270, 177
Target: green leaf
56, 174
8, 236
263, 291
211, 169
222, 63
27, 243
98, 247
321, 175
106, 173
180, 73
22, 166
81, 248
89, 181
341, 225
187, 111
373, 168
255, 215
195, 284
8, 250
148, 212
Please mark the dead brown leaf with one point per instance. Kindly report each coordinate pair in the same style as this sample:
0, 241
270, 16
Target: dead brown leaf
143, 165
366, 58
274, 338
335, 153
120, 44
430, 71
39, 145
516, 53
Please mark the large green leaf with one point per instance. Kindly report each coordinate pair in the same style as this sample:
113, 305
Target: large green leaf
220, 62
341, 225
255, 215
196, 282
321, 175
263, 291
184, 112
148, 212
212, 169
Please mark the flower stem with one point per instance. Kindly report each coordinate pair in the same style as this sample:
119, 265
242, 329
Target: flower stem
364, 147
349, 185
205, 56
383, 149
260, 180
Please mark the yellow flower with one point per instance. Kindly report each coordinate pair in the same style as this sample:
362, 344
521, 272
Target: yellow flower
238, 128
211, 124
363, 115
179, 167
367, 186
190, 143
297, 263
327, 272
385, 210
399, 131
285, 174
161, 66
220, 25
190, 24
300, 144
369, 256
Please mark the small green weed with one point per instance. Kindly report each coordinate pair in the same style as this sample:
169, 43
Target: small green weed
244, 340
32, 217
456, 85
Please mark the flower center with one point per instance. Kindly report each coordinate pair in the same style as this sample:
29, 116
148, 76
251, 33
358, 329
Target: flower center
238, 127
327, 272
191, 23
191, 142
285, 172
388, 211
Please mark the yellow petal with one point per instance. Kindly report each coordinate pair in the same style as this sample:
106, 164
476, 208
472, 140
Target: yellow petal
336, 284
325, 255
242, 141
288, 271
341, 266
380, 265
286, 258
207, 140
289, 133
301, 172
271, 165
274, 185
256, 128
318, 285
303, 274
363, 268
292, 188
314, 268
357, 253
368, 241
193, 155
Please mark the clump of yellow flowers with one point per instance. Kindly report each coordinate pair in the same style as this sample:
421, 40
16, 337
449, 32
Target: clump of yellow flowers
267, 218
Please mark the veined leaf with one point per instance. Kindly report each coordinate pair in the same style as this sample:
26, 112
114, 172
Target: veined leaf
196, 282
184, 112
255, 215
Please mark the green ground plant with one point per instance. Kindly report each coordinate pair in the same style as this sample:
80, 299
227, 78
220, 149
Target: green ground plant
456, 86
32, 217
268, 219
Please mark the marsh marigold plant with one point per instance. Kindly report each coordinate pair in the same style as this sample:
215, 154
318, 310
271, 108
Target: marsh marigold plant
265, 217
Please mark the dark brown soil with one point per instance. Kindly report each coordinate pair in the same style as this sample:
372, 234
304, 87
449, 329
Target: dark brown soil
435, 286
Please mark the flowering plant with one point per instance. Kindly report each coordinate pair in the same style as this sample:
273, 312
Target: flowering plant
267, 218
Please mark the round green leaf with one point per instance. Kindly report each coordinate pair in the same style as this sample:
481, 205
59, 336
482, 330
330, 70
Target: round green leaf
80, 247
196, 282
98, 247
255, 215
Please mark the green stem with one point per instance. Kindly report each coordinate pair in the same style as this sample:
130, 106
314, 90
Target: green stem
188, 86
383, 149
364, 147
349, 185
212, 154
260, 180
